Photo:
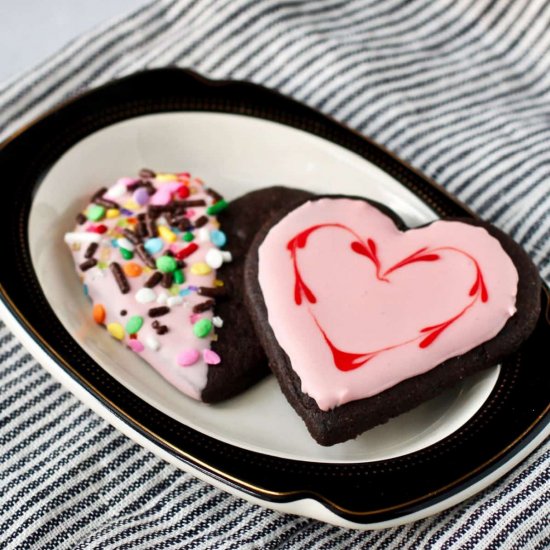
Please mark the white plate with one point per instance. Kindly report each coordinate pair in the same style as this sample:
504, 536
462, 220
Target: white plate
253, 446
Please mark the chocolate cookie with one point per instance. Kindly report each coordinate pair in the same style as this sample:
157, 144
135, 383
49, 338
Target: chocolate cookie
363, 319
245, 359
161, 257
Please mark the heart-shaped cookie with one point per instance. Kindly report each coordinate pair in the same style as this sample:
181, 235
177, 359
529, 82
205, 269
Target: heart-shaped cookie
355, 306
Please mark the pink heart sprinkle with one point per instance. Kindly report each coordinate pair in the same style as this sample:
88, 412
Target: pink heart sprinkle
161, 197
211, 357
194, 317
187, 357
172, 186
136, 345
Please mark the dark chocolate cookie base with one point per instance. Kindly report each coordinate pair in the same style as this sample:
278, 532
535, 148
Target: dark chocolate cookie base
243, 360
352, 419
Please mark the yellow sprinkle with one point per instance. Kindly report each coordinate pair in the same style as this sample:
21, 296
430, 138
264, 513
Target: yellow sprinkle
75, 247
116, 330
166, 177
112, 213
166, 234
131, 205
192, 190
200, 268
217, 282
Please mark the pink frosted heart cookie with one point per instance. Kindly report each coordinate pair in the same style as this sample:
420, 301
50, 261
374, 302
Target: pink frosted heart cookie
363, 319
161, 257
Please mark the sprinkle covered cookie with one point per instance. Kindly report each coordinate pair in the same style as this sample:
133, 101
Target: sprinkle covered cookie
363, 319
161, 257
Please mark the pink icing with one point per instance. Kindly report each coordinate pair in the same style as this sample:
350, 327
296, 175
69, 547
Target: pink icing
164, 194
175, 346
359, 306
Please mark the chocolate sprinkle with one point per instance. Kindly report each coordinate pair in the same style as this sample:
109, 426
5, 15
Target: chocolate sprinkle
154, 279
159, 329
135, 185
123, 312
152, 228
120, 278
141, 230
80, 218
199, 222
106, 203
154, 211
176, 219
184, 224
146, 258
146, 173
214, 194
99, 193
167, 280
203, 306
84, 266
131, 236
158, 311
212, 292
90, 251
151, 189
189, 203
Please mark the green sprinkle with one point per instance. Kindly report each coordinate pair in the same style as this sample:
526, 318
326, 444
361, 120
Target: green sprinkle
188, 237
102, 265
122, 223
202, 328
166, 264
179, 277
216, 207
95, 212
126, 254
134, 324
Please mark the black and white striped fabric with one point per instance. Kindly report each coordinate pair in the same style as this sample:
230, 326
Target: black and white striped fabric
459, 88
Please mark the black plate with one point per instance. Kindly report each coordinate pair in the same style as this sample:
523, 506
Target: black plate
514, 414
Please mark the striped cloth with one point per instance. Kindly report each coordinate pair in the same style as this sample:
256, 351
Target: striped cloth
459, 88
